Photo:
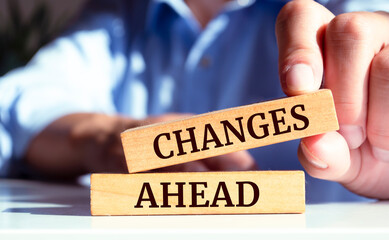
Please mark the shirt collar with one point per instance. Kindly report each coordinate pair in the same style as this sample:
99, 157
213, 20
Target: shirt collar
180, 6
182, 9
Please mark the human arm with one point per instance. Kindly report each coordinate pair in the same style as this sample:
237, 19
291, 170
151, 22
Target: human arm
89, 142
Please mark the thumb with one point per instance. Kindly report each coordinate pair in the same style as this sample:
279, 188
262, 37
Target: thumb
300, 29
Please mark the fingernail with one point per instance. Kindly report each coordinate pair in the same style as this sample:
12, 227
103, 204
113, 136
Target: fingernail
312, 158
300, 78
353, 134
381, 154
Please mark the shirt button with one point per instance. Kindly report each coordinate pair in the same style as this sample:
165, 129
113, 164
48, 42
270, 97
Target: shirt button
205, 61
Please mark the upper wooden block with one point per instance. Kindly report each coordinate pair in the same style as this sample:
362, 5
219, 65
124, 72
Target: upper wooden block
229, 130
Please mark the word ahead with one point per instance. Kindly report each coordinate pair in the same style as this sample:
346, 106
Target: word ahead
229, 130
198, 193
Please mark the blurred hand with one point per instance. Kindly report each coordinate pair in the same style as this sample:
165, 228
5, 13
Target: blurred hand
351, 51
237, 161
89, 142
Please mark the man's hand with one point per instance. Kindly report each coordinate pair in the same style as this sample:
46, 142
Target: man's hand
351, 51
88, 142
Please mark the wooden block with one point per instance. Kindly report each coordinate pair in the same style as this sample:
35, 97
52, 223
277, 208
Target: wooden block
229, 130
198, 193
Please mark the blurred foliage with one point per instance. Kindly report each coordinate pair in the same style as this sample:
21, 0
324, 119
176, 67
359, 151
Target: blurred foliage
20, 40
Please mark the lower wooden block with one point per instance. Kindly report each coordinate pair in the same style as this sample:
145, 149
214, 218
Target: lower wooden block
198, 193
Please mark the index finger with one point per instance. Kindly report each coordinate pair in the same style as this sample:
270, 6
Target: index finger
300, 30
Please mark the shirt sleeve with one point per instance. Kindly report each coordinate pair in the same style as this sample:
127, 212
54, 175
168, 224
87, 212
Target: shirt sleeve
75, 73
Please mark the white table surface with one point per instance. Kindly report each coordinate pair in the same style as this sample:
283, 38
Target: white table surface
40, 210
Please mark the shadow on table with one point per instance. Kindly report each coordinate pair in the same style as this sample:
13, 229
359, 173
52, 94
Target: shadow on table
46, 199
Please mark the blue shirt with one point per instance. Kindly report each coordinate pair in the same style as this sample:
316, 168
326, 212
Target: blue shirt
136, 59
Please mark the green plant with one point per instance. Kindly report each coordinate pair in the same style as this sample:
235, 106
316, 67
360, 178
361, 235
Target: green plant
20, 40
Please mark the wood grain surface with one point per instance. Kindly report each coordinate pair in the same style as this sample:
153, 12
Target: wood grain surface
229, 130
198, 193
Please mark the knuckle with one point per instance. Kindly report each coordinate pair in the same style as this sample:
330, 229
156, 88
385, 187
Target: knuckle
349, 27
379, 74
377, 136
292, 9
349, 108
346, 103
302, 53
380, 65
